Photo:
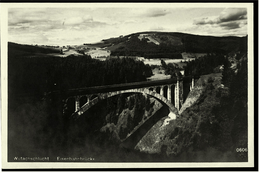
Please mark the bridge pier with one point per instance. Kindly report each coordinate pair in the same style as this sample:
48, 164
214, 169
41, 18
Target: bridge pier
169, 93
161, 90
178, 94
77, 103
176, 100
192, 83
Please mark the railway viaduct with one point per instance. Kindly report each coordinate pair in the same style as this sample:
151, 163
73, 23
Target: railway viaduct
168, 92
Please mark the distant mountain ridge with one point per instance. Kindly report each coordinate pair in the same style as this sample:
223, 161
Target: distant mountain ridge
151, 43
15, 49
146, 44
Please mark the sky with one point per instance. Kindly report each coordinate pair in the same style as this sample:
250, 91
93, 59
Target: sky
75, 26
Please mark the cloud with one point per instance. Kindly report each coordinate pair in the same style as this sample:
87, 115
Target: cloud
16, 16
230, 25
202, 21
157, 28
50, 21
227, 15
28, 38
224, 29
156, 12
77, 20
228, 19
232, 14
68, 25
73, 21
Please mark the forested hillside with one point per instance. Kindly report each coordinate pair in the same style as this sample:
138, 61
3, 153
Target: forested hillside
213, 126
19, 50
170, 44
48, 73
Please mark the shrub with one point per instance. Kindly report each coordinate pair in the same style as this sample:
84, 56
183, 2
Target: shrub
210, 79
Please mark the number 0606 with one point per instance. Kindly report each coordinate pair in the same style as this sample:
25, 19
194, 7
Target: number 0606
241, 149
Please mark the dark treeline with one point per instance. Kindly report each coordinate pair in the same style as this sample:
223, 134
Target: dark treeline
200, 66
232, 112
217, 45
205, 65
47, 73
208, 63
163, 55
171, 69
28, 50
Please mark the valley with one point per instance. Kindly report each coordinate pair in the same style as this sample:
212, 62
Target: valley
133, 126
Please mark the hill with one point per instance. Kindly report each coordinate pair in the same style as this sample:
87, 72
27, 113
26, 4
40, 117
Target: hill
15, 49
151, 45
169, 44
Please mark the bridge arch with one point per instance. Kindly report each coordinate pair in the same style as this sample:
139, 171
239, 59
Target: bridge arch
83, 100
103, 96
157, 89
93, 96
151, 89
165, 90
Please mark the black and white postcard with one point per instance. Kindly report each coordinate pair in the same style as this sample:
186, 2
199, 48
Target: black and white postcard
127, 85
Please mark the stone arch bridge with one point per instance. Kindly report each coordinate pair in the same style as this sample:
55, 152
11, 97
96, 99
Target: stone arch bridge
169, 92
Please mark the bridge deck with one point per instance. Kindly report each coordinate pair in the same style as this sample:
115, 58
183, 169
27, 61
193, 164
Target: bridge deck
124, 86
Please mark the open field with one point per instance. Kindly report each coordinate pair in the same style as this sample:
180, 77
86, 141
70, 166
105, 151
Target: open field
159, 74
167, 61
98, 53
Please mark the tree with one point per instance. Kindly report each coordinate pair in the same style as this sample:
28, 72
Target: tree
163, 64
227, 73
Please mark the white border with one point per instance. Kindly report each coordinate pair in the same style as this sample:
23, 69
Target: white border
4, 35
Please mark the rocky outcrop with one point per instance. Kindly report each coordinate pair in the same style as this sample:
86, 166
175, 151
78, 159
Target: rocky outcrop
199, 89
174, 136
137, 110
156, 138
